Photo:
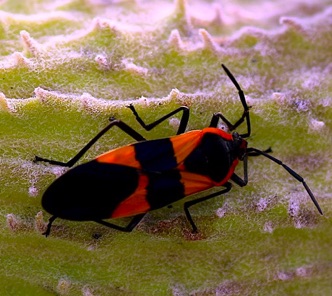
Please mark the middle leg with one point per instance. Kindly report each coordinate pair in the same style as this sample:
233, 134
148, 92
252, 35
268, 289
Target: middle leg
183, 121
114, 122
196, 201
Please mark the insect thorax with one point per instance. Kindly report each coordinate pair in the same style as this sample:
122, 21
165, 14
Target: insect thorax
213, 157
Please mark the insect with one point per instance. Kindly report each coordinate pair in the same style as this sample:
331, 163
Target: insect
149, 174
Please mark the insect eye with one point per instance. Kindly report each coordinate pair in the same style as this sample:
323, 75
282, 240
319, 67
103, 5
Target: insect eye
223, 127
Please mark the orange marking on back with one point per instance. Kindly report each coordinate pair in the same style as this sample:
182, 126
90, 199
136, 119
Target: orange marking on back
184, 144
123, 156
194, 183
136, 203
218, 131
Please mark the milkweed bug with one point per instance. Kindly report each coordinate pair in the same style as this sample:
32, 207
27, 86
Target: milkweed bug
132, 180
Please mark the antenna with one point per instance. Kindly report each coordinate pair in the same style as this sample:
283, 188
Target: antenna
289, 170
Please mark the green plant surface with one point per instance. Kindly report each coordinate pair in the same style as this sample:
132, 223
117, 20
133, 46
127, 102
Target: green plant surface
67, 66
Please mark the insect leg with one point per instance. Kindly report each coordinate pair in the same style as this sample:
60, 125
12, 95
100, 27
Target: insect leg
49, 225
132, 224
183, 121
127, 228
113, 122
195, 201
290, 171
245, 115
236, 179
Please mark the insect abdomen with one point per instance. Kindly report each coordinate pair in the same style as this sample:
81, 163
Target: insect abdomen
90, 191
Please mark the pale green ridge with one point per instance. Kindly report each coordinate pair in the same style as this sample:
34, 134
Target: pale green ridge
67, 66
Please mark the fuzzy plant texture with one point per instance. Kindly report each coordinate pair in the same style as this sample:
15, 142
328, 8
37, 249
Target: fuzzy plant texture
66, 66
